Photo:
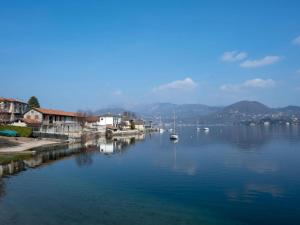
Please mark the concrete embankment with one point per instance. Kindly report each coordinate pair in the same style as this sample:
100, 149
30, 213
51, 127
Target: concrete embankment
20, 144
122, 133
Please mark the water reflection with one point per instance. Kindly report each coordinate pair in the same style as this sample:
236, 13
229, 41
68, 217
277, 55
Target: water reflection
22, 162
119, 144
231, 172
2, 188
253, 191
83, 153
243, 137
256, 142
84, 159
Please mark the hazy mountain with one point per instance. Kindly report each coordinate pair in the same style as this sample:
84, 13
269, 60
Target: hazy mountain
166, 110
289, 110
193, 113
247, 107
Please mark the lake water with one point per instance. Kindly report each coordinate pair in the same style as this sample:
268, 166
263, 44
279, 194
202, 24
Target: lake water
230, 175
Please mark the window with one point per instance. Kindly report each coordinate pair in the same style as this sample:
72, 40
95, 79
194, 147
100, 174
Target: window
36, 117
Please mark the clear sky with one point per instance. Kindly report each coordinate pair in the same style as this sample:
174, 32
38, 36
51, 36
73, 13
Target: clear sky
90, 54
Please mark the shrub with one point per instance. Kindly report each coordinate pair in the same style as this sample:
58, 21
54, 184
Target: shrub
22, 131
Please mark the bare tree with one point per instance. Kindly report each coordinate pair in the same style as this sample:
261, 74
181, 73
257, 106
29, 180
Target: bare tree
81, 119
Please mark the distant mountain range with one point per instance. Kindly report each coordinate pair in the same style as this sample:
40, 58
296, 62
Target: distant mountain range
249, 111
166, 110
191, 113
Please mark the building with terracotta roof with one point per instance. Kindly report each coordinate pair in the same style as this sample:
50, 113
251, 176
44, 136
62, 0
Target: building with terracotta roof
54, 121
12, 109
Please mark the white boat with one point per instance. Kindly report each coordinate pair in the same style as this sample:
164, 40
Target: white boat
161, 130
205, 129
173, 135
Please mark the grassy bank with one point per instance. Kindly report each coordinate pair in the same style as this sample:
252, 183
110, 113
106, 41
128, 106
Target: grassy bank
22, 131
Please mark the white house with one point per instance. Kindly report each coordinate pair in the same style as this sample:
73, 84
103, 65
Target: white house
109, 120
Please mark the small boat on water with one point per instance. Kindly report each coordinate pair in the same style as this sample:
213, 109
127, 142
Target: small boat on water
161, 130
174, 135
206, 129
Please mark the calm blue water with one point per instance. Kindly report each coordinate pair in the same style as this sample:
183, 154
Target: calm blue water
231, 175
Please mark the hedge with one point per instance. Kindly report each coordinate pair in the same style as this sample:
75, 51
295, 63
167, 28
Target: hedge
22, 131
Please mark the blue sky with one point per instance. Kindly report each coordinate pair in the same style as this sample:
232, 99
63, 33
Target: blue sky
91, 54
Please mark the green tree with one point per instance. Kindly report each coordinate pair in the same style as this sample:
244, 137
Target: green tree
33, 102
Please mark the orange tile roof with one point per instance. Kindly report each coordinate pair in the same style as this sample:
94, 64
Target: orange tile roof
56, 112
10, 100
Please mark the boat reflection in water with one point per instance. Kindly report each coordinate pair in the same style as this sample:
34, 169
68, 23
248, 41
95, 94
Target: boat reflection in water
80, 151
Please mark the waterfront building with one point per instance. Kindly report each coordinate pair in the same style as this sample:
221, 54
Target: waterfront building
125, 125
12, 109
54, 121
92, 123
139, 125
109, 120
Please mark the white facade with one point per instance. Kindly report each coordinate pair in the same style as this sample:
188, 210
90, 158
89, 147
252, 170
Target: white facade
109, 121
107, 148
106, 120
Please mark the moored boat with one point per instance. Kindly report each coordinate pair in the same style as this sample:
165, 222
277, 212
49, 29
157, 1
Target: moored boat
174, 135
